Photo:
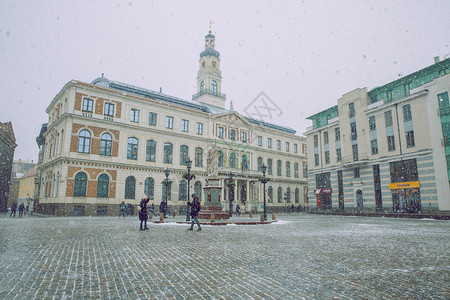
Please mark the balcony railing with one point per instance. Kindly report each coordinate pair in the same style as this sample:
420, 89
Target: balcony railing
209, 92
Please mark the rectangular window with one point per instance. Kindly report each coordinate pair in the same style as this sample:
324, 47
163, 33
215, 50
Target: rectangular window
233, 134
199, 128
185, 125
391, 143
316, 141
337, 134
244, 137
220, 132
338, 155
407, 113
305, 170
269, 167
407, 89
87, 104
316, 159
109, 109
169, 122
388, 118
355, 152
278, 145
325, 138
296, 170
351, 110
410, 139
259, 140
134, 115
152, 118
327, 157
269, 143
287, 146
356, 173
374, 146
354, 133
372, 124
295, 148
390, 95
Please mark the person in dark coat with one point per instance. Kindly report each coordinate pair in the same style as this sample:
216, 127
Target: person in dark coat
21, 209
195, 209
238, 209
143, 216
13, 209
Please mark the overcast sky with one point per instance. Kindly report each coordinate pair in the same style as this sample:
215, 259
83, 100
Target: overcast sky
304, 55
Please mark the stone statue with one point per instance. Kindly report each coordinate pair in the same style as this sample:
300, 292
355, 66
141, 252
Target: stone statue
212, 162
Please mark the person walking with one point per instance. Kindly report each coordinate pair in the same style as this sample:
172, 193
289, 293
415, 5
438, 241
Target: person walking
195, 209
122, 207
143, 216
21, 208
13, 209
238, 210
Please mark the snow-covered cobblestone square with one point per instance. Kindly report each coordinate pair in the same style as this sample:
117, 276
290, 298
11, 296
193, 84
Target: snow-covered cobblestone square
299, 257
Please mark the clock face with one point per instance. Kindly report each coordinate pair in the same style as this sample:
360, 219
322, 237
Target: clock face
214, 63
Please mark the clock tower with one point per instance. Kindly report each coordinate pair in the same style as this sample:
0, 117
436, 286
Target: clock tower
209, 76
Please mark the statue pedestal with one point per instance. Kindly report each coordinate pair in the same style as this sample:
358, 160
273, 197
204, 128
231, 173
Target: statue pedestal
211, 205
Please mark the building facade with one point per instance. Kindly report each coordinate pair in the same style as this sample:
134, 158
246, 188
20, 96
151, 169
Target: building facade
108, 142
386, 149
7, 148
27, 187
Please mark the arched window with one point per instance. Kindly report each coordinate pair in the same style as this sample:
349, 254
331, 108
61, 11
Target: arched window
270, 194
288, 169
198, 157
168, 152
202, 86
214, 87
130, 187
103, 185
182, 191
279, 167
260, 163
79, 189
244, 162
296, 170
269, 167
198, 189
288, 195
184, 154
132, 149
221, 159
149, 187
105, 144
279, 195
84, 141
232, 160
151, 151
297, 195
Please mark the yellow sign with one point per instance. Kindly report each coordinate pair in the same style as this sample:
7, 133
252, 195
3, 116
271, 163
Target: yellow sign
404, 185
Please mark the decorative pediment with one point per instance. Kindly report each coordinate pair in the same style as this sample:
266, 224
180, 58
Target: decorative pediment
234, 119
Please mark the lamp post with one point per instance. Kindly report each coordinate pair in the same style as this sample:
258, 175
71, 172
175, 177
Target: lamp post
166, 183
230, 186
188, 177
264, 180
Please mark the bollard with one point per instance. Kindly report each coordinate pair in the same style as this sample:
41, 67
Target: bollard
250, 215
213, 218
261, 218
161, 217
273, 217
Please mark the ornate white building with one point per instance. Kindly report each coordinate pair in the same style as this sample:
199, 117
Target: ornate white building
109, 142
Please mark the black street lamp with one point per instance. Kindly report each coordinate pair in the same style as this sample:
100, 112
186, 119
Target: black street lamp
264, 180
166, 183
188, 177
230, 186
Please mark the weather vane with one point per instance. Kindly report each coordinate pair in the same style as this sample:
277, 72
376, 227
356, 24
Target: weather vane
211, 22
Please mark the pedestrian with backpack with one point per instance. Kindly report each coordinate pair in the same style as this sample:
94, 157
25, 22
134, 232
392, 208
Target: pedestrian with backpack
195, 209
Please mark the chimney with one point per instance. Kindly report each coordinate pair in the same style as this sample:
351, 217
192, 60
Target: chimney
436, 59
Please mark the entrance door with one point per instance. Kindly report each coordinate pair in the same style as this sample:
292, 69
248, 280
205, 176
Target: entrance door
359, 200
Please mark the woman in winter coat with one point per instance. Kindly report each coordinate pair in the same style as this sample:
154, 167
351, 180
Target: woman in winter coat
143, 216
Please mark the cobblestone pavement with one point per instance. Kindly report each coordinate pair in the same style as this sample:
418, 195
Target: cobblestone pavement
299, 257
